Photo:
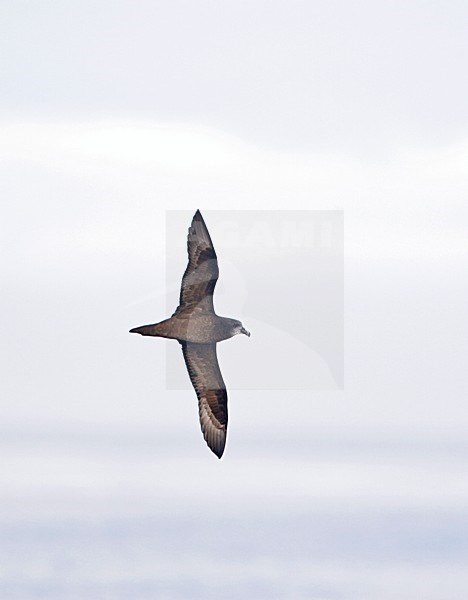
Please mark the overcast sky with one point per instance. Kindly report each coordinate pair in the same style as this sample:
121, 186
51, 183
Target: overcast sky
113, 114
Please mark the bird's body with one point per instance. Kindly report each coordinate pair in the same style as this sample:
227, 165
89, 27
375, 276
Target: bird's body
188, 326
198, 329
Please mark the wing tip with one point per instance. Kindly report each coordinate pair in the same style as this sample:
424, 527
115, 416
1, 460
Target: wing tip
197, 219
198, 232
216, 443
215, 437
218, 452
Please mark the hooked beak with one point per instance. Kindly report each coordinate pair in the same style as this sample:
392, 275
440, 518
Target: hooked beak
244, 331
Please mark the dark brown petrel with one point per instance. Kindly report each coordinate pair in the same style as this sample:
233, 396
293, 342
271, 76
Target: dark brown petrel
197, 328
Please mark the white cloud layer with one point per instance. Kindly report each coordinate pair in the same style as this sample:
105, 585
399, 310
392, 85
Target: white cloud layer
409, 206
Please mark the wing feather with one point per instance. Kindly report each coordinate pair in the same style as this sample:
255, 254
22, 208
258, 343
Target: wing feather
202, 365
201, 274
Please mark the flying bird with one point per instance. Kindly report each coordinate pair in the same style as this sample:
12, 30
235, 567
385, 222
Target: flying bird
198, 329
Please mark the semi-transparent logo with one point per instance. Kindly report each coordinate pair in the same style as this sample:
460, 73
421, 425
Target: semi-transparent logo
281, 274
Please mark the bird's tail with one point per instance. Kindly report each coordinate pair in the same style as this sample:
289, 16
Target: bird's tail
158, 330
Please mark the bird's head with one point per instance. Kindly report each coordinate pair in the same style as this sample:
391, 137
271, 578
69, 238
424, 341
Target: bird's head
237, 328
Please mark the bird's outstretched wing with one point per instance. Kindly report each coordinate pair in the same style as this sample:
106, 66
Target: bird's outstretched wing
203, 368
201, 274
